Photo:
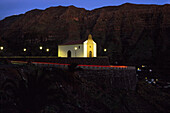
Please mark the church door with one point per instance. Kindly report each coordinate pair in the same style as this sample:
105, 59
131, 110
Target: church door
90, 54
69, 53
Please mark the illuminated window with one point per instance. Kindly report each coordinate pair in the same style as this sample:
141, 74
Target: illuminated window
146, 77
105, 50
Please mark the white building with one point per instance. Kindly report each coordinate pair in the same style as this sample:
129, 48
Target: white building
87, 48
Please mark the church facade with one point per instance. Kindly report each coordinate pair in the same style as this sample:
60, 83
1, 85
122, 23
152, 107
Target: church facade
87, 48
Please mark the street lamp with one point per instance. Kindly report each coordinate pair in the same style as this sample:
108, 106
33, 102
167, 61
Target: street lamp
41, 47
105, 50
24, 49
75, 48
47, 50
1, 48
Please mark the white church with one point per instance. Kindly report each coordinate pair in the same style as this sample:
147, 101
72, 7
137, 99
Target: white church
87, 48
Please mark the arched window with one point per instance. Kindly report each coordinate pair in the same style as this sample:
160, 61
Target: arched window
68, 53
90, 54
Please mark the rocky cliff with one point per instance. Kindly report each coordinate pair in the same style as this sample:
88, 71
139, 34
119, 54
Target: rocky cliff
131, 33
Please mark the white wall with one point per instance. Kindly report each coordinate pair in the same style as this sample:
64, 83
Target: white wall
95, 49
85, 48
63, 49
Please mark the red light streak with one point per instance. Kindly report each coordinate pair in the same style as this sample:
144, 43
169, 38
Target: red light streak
69, 64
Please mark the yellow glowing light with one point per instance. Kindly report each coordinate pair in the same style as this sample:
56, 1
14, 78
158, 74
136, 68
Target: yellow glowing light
1, 47
146, 77
41, 47
156, 79
143, 65
75, 48
47, 50
24, 49
105, 50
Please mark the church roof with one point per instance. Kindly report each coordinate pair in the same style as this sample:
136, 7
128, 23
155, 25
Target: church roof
73, 42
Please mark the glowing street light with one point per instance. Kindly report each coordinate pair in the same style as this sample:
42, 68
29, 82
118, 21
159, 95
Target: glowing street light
24, 49
75, 48
105, 50
41, 47
143, 65
150, 70
138, 69
1, 48
47, 50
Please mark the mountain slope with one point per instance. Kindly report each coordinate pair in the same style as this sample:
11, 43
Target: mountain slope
131, 33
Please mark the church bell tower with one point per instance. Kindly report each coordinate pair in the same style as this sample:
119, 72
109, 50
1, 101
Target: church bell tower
90, 47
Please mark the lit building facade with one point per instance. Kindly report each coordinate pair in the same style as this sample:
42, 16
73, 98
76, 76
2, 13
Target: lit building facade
87, 48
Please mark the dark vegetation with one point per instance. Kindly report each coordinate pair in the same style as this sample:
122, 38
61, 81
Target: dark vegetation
32, 89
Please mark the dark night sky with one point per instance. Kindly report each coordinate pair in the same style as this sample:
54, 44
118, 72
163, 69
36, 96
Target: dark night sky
12, 7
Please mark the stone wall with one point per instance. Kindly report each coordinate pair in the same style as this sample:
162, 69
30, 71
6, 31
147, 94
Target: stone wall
105, 76
117, 78
77, 60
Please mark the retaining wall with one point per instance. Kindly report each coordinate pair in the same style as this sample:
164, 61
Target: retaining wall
115, 78
121, 77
